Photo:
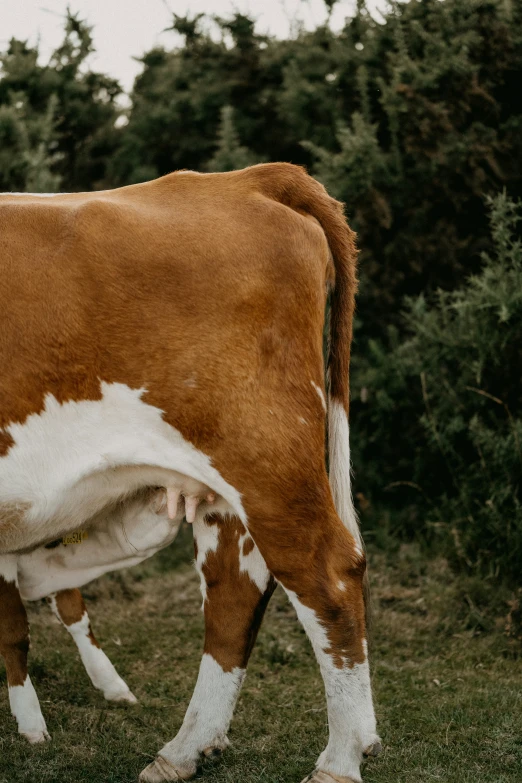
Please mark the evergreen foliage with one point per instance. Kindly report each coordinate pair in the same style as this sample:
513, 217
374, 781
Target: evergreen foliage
56, 119
444, 408
435, 124
229, 154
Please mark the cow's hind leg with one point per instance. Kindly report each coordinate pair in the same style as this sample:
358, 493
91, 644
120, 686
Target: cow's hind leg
69, 607
236, 587
321, 567
14, 648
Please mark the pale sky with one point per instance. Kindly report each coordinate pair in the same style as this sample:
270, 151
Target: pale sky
124, 29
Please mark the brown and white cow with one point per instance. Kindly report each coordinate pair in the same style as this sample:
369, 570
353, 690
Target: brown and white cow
169, 335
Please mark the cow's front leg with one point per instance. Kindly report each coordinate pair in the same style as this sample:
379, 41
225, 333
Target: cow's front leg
69, 607
14, 647
236, 587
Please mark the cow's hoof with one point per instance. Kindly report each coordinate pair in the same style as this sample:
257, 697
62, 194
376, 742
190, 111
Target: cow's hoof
216, 750
161, 770
374, 749
213, 753
126, 697
35, 737
320, 776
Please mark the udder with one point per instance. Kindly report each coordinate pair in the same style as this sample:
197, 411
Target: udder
120, 535
189, 493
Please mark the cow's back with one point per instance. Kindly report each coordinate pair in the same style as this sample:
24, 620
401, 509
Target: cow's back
100, 284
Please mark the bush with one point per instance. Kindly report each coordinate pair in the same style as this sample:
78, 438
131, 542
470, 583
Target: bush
431, 122
57, 120
443, 411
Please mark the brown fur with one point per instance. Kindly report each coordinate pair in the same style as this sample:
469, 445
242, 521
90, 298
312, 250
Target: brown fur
220, 278
6, 441
248, 546
234, 606
71, 608
14, 633
14, 626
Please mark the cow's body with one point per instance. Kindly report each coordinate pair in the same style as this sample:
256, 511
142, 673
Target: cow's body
169, 335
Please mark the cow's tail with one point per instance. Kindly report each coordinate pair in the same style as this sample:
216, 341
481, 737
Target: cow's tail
291, 185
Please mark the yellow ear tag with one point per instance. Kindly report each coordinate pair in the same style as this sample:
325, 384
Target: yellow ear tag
75, 538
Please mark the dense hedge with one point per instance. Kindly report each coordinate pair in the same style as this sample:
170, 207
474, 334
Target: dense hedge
438, 417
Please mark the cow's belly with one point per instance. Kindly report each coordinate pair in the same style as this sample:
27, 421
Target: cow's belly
73, 460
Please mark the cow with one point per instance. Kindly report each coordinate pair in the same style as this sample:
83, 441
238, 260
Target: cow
168, 336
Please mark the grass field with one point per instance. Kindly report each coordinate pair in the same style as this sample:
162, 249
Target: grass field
448, 686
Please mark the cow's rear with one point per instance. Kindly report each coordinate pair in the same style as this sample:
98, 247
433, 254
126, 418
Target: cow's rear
170, 333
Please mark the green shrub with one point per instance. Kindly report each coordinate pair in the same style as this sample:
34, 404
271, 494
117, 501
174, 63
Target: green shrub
437, 417
57, 119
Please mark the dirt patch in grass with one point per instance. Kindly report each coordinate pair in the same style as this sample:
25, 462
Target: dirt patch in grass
448, 684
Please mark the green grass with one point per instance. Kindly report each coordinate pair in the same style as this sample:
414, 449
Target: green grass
447, 691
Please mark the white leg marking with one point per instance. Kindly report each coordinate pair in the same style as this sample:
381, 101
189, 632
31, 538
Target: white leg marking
101, 671
351, 717
207, 540
25, 707
340, 466
23, 700
253, 564
208, 716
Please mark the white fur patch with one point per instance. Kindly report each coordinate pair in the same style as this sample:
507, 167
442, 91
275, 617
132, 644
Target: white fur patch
23, 700
253, 564
207, 540
101, 672
208, 716
25, 707
74, 459
351, 717
340, 466
320, 394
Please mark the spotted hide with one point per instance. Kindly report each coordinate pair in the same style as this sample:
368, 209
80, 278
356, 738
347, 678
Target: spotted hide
167, 338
